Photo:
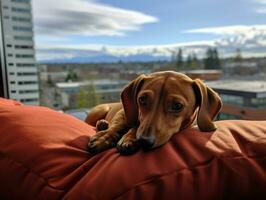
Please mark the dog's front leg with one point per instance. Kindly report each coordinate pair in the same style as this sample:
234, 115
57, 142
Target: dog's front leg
108, 138
128, 144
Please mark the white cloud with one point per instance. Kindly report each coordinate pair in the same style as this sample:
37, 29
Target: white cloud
261, 9
85, 17
154, 50
231, 30
250, 39
261, 1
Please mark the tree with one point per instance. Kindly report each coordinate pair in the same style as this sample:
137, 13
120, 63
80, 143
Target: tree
50, 82
238, 57
82, 100
216, 59
179, 60
189, 61
71, 76
208, 61
212, 60
88, 96
195, 63
92, 95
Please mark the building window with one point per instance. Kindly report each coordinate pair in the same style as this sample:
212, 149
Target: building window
258, 102
26, 73
20, 1
28, 38
23, 46
9, 45
27, 91
10, 64
25, 65
21, 19
11, 73
28, 100
232, 99
6, 17
226, 116
24, 56
22, 10
22, 28
13, 91
27, 82
5, 7
12, 82
10, 55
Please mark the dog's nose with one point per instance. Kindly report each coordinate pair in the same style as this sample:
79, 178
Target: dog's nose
147, 142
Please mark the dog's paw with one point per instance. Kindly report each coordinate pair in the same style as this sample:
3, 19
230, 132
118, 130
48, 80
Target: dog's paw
128, 145
103, 140
102, 125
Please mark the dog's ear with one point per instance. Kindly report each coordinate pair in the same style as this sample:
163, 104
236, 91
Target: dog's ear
129, 100
209, 104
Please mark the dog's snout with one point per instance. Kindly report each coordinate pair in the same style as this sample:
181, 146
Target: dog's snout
147, 142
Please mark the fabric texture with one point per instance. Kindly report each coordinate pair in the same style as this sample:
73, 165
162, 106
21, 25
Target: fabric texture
43, 156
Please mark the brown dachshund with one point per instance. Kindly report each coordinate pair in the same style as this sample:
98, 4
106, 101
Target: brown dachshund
153, 108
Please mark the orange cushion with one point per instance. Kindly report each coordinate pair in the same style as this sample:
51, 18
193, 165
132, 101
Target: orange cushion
43, 156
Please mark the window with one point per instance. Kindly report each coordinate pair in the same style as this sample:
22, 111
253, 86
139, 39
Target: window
28, 100
25, 65
27, 82
26, 73
5, 7
232, 99
23, 46
12, 82
9, 45
20, 1
27, 91
24, 56
11, 73
10, 55
226, 116
258, 102
22, 28
6, 17
10, 64
23, 38
13, 91
22, 10
21, 19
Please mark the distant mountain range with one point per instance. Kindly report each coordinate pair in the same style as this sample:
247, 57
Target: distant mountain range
105, 58
252, 44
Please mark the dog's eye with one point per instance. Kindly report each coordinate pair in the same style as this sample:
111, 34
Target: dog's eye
175, 107
143, 100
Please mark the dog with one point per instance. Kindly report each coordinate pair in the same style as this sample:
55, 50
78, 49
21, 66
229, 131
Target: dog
152, 109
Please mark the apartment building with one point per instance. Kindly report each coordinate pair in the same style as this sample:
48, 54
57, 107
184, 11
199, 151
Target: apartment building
18, 65
106, 90
241, 99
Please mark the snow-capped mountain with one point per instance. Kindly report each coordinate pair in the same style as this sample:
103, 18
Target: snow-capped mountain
252, 42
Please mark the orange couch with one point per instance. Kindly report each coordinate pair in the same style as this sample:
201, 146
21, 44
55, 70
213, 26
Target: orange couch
43, 156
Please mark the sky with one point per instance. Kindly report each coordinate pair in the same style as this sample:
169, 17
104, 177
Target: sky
129, 27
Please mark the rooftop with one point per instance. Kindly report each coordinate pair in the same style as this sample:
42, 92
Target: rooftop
203, 71
257, 87
94, 82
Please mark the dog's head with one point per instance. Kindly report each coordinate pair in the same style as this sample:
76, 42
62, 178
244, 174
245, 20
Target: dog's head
163, 103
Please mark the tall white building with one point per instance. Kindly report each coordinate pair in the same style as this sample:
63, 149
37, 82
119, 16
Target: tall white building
18, 64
